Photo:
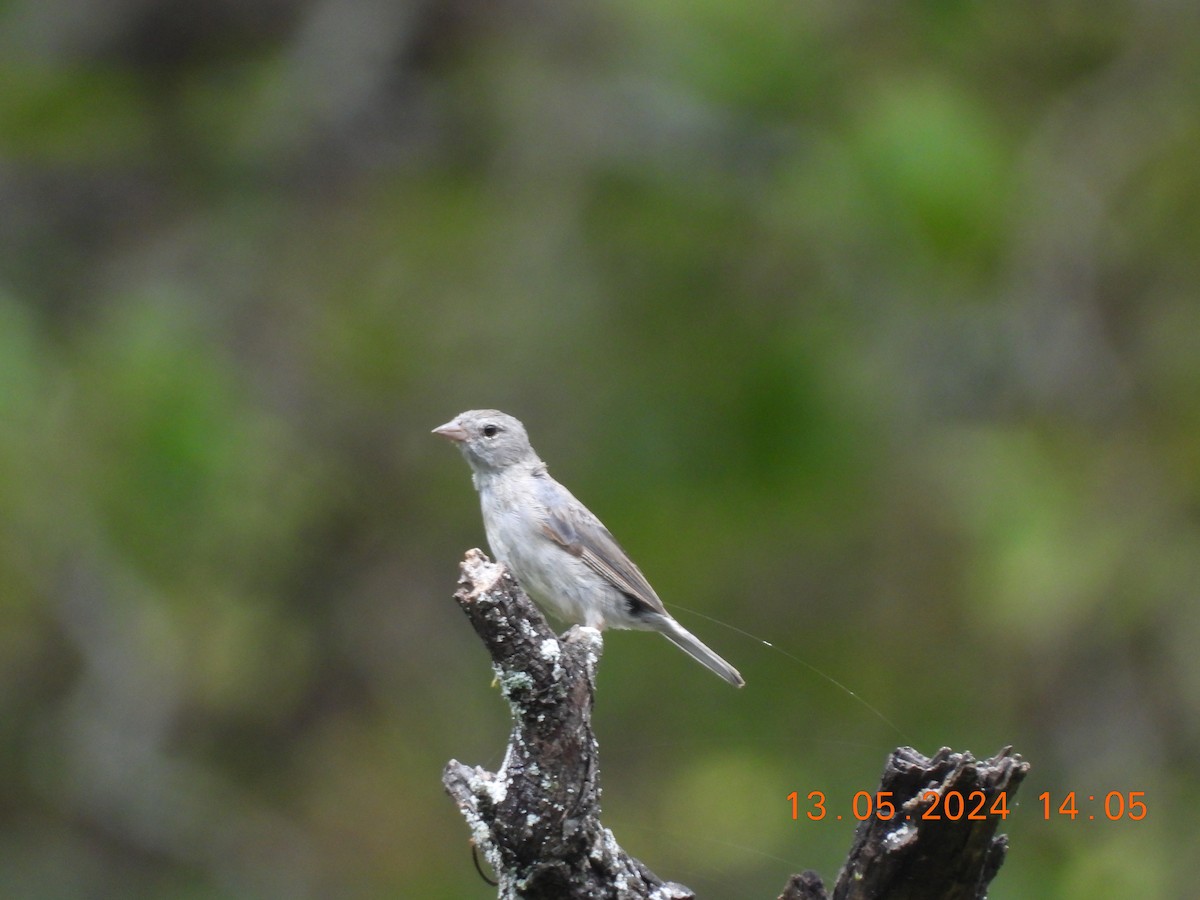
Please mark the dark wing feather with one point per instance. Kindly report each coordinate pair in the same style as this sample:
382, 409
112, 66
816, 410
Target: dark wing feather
573, 527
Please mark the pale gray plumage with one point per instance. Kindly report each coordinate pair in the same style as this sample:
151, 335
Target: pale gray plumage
562, 555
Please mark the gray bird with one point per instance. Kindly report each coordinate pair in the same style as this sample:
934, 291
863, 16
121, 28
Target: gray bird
562, 555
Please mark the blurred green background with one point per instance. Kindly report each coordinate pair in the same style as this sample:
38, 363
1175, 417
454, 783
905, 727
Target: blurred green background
870, 329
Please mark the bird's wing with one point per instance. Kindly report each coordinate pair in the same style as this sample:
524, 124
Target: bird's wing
576, 529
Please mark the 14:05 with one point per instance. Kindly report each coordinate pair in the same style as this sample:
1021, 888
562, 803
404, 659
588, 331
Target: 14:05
1117, 805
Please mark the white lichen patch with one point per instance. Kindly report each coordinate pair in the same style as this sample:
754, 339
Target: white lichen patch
592, 635
483, 784
551, 650
480, 834
670, 891
528, 632
901, 837
482, 838
606, 846
593, 641
503, 772
514, 681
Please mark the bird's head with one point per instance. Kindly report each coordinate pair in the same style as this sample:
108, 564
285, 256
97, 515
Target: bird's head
489, 439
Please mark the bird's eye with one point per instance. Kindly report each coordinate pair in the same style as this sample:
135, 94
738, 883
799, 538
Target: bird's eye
491, 430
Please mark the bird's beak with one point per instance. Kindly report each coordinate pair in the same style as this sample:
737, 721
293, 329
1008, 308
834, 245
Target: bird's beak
452, 431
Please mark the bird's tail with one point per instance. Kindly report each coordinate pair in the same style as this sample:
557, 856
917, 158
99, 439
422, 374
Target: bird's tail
695, 648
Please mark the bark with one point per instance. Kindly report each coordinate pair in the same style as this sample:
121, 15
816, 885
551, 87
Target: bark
914, 855
537, 819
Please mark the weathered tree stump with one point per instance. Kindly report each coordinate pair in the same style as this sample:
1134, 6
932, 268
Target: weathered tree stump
537, 819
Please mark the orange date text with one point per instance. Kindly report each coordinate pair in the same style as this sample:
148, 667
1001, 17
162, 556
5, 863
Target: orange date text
975, 806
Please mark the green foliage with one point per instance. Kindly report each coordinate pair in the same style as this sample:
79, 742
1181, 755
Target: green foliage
73, 115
